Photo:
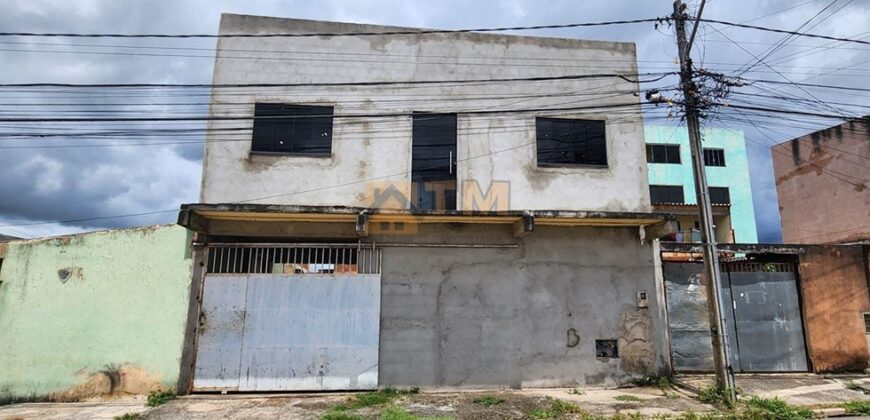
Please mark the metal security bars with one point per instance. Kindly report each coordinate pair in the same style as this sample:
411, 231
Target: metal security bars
753, 267
313, 259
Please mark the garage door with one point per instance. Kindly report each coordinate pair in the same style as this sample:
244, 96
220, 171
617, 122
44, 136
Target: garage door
762, 317
285, 318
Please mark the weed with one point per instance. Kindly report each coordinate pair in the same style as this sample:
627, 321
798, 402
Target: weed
127, 416
715, 395
662, 382
557, 409
857, 407
156, 398
627, 398
488, 400
577, 391
765, 408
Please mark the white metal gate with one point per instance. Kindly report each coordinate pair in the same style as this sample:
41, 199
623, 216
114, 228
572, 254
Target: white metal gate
289, 318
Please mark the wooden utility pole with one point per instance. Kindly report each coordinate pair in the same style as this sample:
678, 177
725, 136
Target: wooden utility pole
721, 351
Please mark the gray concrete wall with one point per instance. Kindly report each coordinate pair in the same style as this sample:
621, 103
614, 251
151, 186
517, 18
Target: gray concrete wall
490, 147
501, 317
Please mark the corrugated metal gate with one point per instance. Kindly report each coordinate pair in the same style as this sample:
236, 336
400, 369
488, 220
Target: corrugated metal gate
762, 312
289, 318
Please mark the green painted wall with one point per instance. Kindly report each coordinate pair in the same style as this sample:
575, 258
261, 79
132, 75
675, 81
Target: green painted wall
122, 310
735, 175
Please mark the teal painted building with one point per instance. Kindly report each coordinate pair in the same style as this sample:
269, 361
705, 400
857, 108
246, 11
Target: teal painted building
672, 187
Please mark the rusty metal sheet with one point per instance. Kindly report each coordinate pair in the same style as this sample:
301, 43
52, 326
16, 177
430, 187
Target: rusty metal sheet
220, 333
769, 328
311, 333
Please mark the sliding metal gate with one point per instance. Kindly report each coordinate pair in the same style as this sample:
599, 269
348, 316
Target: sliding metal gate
289, 318
762, 311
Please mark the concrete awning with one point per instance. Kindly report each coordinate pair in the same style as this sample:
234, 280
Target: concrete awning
198, 217
691, 209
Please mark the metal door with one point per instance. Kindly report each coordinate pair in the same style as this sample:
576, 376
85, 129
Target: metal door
767, 313
315, 328
762, 315
688, 317
311, 333
221, 325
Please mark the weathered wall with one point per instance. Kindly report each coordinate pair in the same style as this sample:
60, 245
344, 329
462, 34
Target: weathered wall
734, 175
498, 147
504, 317
835, 295
807, 171
116, 323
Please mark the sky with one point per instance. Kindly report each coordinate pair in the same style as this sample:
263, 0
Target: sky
40, 186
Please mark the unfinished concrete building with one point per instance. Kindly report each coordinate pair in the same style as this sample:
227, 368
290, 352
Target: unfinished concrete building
421, 208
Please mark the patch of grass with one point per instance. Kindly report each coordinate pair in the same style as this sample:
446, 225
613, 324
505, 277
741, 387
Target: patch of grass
766, 408
577, 391
557, 409
340, 415
487, 400
857, 407
627, 398
366, 399
157, 398
127, 416
398, 413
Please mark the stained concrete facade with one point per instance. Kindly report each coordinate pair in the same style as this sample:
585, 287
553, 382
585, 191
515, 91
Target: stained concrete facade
94, 313
822, 183
515, 295
737, 224
834, 284
521, 317
365, 151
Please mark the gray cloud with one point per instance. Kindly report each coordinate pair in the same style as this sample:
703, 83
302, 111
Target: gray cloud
62, 184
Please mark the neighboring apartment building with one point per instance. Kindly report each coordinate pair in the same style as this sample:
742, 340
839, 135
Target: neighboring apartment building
423, 234
822, 183
672, 185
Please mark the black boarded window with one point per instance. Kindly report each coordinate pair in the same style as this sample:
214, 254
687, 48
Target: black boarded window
720, 195
292, 129
564, 141
664, 194
663, 153
714, 157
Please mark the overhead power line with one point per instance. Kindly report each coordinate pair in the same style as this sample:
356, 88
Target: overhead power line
783, 31
625, 77
285, 117
332, 34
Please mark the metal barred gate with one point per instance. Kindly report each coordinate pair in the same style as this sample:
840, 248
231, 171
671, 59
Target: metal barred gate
289, 317
761, 306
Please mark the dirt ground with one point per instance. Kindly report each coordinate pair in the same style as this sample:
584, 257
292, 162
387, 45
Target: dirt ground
822, 392
488, 404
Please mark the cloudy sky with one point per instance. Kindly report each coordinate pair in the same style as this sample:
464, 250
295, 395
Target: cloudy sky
42, 185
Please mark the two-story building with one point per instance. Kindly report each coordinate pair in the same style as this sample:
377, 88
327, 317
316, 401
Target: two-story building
393, 206
672, 182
